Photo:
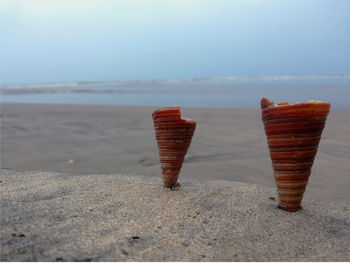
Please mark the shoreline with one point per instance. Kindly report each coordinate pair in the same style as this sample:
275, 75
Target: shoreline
183, 108
229, 144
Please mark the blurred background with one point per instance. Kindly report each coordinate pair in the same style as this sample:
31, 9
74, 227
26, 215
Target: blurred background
79, 80
142, 50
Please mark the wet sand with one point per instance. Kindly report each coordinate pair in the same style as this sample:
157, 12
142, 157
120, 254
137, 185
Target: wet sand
229, 144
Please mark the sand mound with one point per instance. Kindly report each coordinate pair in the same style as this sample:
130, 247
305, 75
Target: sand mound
48, 216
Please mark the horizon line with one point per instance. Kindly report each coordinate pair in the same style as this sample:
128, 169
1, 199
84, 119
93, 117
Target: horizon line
195, 79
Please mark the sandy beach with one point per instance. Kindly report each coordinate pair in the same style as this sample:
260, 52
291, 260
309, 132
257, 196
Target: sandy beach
229, 144
68, 217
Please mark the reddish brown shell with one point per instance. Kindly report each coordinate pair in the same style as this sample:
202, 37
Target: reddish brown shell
293, 134
174, 136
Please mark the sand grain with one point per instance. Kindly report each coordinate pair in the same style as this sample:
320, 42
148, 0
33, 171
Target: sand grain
47, 216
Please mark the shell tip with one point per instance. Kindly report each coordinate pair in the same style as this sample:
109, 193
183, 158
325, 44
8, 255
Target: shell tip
289, 208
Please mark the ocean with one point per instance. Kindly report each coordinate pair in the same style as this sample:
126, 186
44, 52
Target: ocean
226, 92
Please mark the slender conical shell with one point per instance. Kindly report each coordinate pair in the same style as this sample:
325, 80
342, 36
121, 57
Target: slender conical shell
293, 134
174, 135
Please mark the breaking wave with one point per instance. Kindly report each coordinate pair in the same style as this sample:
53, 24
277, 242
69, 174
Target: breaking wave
140, 86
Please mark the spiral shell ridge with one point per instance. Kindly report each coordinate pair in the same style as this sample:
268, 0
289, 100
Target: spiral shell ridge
293, 135
174, 135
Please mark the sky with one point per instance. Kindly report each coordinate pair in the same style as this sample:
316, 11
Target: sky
45, 41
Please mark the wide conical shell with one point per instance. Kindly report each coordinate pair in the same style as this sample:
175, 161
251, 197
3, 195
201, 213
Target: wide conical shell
293, 134
174, 136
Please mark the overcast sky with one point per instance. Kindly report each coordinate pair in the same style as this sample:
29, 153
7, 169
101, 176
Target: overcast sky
82, 40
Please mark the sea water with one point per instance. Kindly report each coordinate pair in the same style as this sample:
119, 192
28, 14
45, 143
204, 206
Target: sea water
231, 92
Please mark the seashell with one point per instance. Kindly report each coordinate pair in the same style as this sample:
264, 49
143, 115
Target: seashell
293, 134
174, 135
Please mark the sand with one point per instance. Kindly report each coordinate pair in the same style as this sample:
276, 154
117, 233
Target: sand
229, 144
47, 216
